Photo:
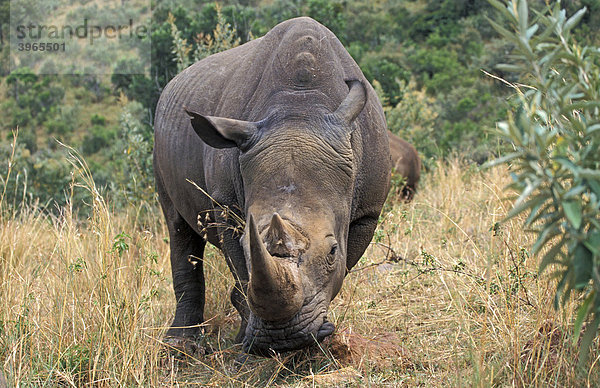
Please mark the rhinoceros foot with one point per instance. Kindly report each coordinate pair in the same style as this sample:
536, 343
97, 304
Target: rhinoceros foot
186, 347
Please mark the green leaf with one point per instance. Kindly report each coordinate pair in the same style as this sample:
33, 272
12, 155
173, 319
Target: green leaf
550, 28
531, 30
546, 235
583, 263
503, 31
573, 20
523, 42
533, 203
595, 186
550, 256
541, 213
592, 242
562, 15
534, 164
582, 313
552, 51
502, 8
566, 163
542, 137
523, 17
586, 340
588, 173
531, 186
564, 285
582, 105
509, 68
503, 159
535, 208
592, 128
573, 212
575, 192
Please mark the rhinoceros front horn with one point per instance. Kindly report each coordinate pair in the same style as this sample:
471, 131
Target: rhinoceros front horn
274, 290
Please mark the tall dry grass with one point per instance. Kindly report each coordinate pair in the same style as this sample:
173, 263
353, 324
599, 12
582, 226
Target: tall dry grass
443, 297
77, 300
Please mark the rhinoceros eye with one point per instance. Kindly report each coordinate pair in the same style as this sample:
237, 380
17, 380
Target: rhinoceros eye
330, 259
333, 250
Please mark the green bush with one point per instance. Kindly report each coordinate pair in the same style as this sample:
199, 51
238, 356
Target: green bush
97, 119
63, 121
555, 165
97, 138
439, 69
135, 181
414, 118
388, 70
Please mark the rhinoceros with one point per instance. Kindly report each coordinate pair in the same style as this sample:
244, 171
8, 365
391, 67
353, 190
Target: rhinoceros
405, 163
275, 152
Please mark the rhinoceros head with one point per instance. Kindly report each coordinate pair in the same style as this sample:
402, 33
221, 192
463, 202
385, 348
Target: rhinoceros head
298, 173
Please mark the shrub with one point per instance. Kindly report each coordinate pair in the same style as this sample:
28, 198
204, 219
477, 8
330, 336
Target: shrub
555, 133
222, 38
98, 137
414, 117
388, 70
136, 180
97, 119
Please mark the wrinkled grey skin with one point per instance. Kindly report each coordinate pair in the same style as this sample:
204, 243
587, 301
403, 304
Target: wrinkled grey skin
305, 163
405, 163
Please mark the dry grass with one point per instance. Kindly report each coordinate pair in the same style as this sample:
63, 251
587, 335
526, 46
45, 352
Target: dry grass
441, 298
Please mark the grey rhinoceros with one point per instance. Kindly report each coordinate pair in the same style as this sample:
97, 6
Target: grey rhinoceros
405, 163
284, 133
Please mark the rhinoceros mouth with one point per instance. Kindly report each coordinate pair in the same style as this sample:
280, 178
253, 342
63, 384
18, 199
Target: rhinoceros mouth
307, 327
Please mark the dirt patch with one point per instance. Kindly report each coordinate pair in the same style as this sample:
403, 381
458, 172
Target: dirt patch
336, 378
546, 348
382, 350
3, 383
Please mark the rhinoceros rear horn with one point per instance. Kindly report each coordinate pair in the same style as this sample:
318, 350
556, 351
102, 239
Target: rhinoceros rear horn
220, 132
284, 240
354, 102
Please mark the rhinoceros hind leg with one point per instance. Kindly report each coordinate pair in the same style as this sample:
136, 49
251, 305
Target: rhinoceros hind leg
359, 238
187, 249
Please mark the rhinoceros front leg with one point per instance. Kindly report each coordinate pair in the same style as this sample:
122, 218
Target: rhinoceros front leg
234, 254
359, 237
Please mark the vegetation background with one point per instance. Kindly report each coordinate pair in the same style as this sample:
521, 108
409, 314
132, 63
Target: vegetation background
445, 295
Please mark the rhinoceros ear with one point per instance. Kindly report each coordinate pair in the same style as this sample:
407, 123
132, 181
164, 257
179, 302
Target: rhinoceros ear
220, 132
354, 102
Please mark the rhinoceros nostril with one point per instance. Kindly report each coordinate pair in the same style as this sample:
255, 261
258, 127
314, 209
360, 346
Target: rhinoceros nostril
325, 330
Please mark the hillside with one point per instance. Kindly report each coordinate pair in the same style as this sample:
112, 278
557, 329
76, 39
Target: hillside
424, 57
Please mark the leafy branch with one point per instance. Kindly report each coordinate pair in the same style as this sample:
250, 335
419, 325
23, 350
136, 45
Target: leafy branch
555, 134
